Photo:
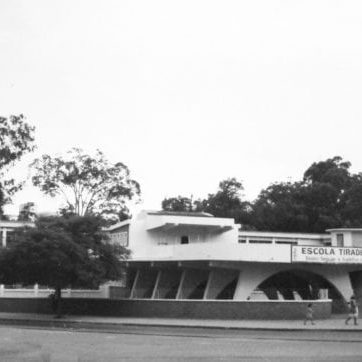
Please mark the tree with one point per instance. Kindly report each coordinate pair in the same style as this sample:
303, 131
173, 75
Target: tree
351, 201
89, 185
179, 203
62, 253
27, 212
332, 171
279, 207
16, 139
328, 196
312, 205
325, 182
227, 202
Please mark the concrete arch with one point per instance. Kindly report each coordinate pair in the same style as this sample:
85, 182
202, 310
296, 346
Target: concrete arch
251, 277
302, 284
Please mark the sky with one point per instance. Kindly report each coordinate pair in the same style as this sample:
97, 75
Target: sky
186, 93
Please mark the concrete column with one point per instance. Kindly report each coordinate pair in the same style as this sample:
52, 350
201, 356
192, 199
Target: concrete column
2, 290
3, 237
155, 289
133, 290
36, 290
105, 290
249, 279
357, 284
340, 279
168, 284
179, 292
297, 296
191, 282
145, 283
218, 280
208, 284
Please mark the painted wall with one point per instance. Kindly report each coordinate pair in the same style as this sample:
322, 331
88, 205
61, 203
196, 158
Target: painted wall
146, 241
172, 309
278, 253
351, 237
357, 239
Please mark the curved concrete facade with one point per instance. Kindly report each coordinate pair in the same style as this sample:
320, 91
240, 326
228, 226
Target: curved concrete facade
185, 256
209, 283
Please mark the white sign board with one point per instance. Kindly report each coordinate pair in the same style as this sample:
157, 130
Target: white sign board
326, 254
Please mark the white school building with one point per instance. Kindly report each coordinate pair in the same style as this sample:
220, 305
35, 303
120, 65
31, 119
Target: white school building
184, 256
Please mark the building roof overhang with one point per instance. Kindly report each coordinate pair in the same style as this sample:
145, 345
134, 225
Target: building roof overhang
162, 222
118, 225
182, 226
197, 263
336, 230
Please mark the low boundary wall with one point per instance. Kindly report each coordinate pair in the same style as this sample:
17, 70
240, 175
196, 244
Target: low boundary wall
36, 292
191, 309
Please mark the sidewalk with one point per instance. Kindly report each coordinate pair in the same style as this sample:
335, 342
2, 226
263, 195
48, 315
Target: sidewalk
114, 323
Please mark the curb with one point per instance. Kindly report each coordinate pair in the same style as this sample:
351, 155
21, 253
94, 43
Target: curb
116, 327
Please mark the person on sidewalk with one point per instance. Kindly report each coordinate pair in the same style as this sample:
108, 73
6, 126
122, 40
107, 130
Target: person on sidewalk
309, 314
353, 311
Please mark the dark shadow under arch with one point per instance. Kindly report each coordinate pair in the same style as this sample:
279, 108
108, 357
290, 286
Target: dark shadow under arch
229, 290
198, 292
308, 285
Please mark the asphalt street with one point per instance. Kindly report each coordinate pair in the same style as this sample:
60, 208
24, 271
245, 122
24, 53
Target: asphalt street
177, 344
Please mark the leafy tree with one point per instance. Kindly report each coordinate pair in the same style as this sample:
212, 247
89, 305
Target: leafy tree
226, 202
27, 212
312, 205
89, 185
328, 196
179, 203
325, 182
333, 171
61, 253
16, 139
351, 201
279, 208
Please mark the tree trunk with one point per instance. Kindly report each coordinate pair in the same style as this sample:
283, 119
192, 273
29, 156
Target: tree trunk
58, 302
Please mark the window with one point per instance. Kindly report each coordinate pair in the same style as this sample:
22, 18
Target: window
259, 241
184, 239
287, 242
340, 241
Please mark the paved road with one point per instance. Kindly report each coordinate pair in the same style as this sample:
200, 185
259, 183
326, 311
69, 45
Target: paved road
177, 344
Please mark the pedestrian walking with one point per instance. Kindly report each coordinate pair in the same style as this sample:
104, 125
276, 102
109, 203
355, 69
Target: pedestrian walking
353, 311
309, 314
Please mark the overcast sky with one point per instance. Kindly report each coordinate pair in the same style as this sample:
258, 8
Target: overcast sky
187, 93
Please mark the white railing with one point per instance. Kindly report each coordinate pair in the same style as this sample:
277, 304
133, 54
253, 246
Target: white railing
36, 292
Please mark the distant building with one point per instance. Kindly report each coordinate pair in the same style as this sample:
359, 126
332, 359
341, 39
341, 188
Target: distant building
27, 212
9, 226
198, 256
